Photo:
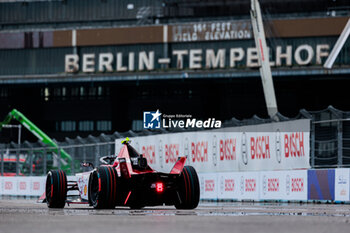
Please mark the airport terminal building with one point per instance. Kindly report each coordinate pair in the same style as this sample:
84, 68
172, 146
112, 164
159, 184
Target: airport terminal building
81, 67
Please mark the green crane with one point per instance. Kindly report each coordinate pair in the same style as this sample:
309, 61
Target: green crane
66, 159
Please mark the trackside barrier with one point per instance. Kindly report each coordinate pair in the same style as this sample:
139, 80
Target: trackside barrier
273, 146
22, 186
321, 184
292, 185
342, 187
257, 186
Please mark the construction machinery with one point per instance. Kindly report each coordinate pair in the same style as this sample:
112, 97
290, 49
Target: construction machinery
65, 160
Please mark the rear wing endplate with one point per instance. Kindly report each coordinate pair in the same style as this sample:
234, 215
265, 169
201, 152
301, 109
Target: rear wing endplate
179, 165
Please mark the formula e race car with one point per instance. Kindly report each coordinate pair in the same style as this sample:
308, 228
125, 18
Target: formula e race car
125, 180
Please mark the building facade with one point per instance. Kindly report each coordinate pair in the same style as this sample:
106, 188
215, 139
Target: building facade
88, 67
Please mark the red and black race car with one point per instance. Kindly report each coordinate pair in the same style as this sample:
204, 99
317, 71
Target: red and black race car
126, 180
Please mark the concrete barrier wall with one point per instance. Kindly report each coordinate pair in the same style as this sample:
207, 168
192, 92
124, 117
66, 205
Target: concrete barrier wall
22, 186
257, 186
272, 146
291, 185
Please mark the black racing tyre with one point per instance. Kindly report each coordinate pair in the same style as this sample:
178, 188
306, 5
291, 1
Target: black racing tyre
188, 189
56, 189
89, 197
103, 187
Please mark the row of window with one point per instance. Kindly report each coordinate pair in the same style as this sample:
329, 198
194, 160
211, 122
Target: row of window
81, 92
4, 93
83, 126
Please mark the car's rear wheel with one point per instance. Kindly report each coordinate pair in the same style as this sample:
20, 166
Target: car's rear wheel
103, 187
56, 189
188, 189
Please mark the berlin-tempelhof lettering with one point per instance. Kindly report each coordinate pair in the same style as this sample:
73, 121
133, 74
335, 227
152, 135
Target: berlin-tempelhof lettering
197, 59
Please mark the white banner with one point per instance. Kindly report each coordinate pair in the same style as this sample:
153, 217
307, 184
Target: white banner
342, 176
26, 186
229, 186
296, 185
208, 186
272, 185
266, 147
249, 186
8, 185
275, 146
225, 150
264, 185
283, 185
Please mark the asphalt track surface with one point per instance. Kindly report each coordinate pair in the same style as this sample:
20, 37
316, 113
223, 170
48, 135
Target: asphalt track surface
27, 216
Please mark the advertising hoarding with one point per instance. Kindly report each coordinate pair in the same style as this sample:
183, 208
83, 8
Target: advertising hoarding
266, 147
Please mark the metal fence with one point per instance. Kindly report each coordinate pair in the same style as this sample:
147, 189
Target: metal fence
329, 138
37, 161
329, 145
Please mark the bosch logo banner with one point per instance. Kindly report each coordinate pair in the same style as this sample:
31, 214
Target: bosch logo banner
284, 185
260, 147
273, 185
151, 120
294, 144
297, 180
229, 185
8, 185
172, 152
228, 149
231, 149
149, 153
199, 151
22, 185
36, 185
250, 185
209, 185
297, 185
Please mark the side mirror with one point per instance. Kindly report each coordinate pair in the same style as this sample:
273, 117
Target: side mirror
87, 164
